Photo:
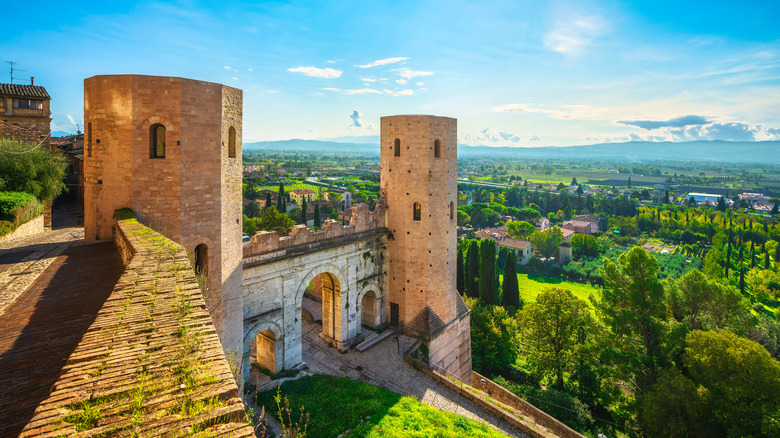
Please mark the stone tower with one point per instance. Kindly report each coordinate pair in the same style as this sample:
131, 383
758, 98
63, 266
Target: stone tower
419, 168
170, 149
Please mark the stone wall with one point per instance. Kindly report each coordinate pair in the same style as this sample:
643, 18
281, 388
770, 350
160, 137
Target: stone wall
151, 364
29, 228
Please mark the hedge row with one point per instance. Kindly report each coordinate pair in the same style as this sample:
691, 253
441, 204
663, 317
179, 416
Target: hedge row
17, 208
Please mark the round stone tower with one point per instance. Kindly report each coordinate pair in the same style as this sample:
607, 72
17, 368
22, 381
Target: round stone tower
419, 167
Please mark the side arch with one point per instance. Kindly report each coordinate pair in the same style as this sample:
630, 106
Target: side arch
153, 120
379, 299
250, 336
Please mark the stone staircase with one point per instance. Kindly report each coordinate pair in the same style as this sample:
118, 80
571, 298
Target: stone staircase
373, 339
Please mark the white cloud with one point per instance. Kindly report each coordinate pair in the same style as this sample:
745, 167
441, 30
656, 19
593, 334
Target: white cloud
405, 73
379, 62
400, 93
235, 78
534, 138
70, 119
327, 73
354, 91
570, 37
402, 81
358, 123
251, 69
420, 84
227, 67
565, 112
368, 79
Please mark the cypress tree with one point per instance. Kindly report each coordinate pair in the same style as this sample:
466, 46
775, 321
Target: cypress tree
317, 218
472, 269
280, 201
752, 254
488, 287
303, 211
461, 285
728, 256
766, 259
777, 254
510, 292
267, 199
742, 279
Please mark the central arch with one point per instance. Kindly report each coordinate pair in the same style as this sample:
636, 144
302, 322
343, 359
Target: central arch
330, 286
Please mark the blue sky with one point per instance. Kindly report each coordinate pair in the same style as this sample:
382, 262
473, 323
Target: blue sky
514, 73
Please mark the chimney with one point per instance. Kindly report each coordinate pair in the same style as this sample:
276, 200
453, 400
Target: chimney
32, 80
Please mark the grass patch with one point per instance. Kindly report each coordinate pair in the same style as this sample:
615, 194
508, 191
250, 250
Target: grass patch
337, 404
532, 285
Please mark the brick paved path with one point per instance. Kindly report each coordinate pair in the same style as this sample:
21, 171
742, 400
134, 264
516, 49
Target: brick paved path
383, 366
59, 284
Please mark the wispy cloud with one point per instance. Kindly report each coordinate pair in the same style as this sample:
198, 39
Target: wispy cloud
407, 74
326, 73
571, 36
368, 79
70, 119
400, 93
358, 123
354, 91
534, 138
379, 62
227, 67
565, 112
677, 122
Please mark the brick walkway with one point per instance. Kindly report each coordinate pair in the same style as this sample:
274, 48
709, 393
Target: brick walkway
383, 366
52, 286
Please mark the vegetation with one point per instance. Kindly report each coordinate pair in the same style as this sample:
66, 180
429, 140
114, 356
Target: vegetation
361, 410
26, 167
17, 208
269, 219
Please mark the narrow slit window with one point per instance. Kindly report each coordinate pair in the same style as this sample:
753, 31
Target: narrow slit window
157, 141
452, 210
89, 139
397, 148
437, 149
232, 142
417, 211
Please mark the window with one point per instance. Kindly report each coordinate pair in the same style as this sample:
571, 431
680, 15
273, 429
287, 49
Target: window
232, 142
157, 141
437, 149
452, 210
28, 104
417, 211
397, 148
89, 139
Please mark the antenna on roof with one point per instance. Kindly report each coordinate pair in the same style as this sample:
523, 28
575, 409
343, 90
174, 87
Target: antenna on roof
12, 69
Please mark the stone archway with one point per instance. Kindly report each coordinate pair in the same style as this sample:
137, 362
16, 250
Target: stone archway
331, 288
264, 341
368, 309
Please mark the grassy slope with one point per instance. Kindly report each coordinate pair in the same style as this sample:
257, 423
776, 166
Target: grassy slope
337, 404
532, 284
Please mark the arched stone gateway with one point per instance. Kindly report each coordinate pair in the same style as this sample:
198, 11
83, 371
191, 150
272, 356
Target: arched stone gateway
265, 342
332, 277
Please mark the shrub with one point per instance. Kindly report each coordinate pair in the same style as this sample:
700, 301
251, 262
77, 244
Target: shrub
17, 208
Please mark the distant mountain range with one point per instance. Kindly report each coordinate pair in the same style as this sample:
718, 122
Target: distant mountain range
717, 150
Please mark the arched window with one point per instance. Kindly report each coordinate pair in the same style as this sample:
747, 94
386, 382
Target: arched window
397, 148
452, 210
437, 149
201, 259
157, 141
417, 211
89, 139
232, 142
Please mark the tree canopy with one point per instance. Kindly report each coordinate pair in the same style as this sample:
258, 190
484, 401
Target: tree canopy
25, 167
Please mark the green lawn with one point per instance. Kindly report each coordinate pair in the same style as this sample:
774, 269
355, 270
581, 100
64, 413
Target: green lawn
337, 404
532, 284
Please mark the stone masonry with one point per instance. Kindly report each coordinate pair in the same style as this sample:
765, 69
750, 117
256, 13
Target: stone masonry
192, 193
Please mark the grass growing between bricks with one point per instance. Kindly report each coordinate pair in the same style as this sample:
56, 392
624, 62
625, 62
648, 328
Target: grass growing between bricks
337, 405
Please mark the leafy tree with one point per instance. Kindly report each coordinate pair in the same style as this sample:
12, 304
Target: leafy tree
550, 330
529, 215
721, 204
472, 269
252, 209
673, 408
494, 341
25, 167
546, 242
269, 219
463, 218
488, 271
510, 290
520, 229
704, 304
632, 306
585, 245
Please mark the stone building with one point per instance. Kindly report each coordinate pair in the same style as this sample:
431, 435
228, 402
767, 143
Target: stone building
25, 113
419, 165
170, 149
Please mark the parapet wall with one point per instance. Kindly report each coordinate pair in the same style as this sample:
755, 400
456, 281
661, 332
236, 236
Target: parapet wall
363, 220
151, 364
